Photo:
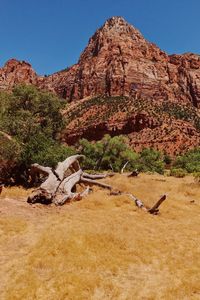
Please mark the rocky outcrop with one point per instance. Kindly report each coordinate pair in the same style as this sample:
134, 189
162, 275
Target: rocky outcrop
16, 72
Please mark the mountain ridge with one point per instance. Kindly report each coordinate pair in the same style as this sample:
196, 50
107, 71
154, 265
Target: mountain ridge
119, 62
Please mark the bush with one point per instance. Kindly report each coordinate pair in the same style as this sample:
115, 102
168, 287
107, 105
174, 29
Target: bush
44, 151
190, 161
29, 112
151, 161
178, 173
114, 152
33, 120
9, 157
109, 153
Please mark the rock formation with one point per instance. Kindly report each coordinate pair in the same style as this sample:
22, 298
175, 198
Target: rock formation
16, 72
118, 61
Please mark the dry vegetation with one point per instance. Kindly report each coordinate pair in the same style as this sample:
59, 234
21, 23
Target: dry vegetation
103, 247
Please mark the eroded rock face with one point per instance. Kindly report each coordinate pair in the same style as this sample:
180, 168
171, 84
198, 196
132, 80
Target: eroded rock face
167, 126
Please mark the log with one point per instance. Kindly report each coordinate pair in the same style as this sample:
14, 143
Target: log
71, 161
49, 188
94, 182
154, 209
135, 173
58, 188
97, 176
139, 203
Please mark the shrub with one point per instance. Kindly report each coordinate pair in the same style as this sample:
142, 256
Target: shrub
109, 153
29, 112
114, 152
178, 173
9, 157
151, 161
33, 120
44, 151
190, 161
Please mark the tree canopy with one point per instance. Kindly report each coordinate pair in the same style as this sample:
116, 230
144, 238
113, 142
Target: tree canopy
33, 120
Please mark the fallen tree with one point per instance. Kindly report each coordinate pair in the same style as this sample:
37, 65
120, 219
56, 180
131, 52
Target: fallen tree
60, 184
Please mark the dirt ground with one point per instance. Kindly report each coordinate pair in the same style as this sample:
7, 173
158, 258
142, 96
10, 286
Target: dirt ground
103, 247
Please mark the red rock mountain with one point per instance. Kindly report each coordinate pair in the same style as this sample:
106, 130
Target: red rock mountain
15, 72
119, 61
158, 95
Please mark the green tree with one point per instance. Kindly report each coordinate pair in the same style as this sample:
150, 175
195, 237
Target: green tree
190, 161
109, 153
151, 160
44, 151
33, 119
30, 111
9, 156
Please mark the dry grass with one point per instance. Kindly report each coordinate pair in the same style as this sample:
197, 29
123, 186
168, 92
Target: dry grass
103, 247
14, 192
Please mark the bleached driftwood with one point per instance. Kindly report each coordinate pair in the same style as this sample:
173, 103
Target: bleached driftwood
60, 184
124, 166
154, 210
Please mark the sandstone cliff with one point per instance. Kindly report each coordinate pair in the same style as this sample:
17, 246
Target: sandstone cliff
119, 61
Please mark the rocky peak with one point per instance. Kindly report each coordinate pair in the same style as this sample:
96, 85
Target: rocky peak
115, 32
141, 87
14, 62
119, 61
118, 26
16, 72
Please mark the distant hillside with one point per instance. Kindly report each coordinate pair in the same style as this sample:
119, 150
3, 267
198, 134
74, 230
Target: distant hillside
167, 126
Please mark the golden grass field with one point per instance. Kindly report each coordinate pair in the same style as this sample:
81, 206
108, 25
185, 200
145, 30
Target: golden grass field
103, 247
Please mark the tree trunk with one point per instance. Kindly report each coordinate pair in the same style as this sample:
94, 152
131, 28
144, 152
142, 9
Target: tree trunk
58, 188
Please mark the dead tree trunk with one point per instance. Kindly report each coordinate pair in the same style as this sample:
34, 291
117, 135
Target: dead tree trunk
58, 188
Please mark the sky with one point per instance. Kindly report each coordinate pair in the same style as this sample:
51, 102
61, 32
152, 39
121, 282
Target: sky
51, 34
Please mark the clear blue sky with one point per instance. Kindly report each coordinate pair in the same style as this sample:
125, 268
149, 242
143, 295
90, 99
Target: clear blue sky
51, 34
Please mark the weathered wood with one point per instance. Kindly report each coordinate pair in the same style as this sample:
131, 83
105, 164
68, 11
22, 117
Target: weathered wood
135, 173
64, 192
139, 203
49, 188
59, 186
97, 176
124, 166
154, 209
71, 161
94, 182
